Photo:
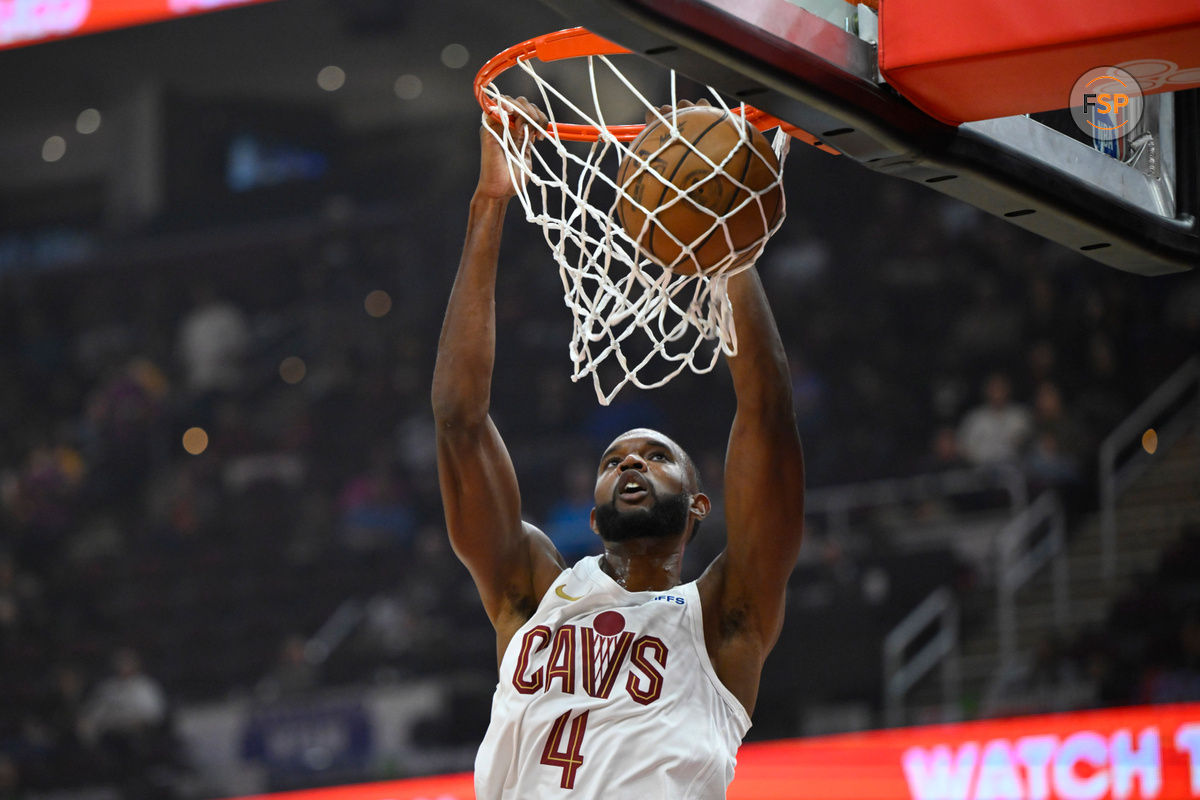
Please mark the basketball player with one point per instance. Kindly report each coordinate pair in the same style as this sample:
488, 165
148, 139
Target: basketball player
616, 679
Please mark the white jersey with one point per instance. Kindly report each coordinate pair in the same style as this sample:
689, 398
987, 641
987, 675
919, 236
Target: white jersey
610, 694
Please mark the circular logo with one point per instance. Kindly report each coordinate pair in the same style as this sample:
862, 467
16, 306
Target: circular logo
1106, 103
608, 623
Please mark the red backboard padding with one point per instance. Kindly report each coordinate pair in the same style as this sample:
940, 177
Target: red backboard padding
960, 61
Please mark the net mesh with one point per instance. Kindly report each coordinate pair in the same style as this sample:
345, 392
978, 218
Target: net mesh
635, 321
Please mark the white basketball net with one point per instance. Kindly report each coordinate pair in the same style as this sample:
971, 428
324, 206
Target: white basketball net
634, 321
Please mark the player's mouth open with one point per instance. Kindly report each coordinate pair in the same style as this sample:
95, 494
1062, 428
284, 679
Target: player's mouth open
631, 489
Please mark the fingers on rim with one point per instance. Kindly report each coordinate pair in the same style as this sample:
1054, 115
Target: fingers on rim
520, 111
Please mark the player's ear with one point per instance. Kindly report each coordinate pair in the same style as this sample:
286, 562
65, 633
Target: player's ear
700, 505
592, 521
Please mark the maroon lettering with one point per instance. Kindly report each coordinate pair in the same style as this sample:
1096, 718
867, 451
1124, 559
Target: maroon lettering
568, 755
562, 659
533, 682
646, 650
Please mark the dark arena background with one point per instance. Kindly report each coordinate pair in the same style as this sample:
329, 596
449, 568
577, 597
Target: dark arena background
227, 236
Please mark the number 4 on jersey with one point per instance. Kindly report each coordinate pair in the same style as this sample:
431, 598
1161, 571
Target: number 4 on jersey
569, 758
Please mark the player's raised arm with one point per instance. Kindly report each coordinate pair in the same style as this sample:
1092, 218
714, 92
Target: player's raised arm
511, 562
764, 497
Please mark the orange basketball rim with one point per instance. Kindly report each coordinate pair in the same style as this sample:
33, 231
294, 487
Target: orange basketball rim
580, 43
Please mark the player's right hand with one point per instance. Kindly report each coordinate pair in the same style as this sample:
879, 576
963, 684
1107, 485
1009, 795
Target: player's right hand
665, 111
526, 123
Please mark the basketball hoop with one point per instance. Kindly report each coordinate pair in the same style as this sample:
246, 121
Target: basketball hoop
635, 321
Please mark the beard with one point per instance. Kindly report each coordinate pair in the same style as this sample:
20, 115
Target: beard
666, 518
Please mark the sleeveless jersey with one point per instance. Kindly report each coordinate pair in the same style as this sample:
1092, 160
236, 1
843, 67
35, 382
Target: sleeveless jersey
606, 693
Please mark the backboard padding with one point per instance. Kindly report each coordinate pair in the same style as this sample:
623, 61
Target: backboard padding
829, 87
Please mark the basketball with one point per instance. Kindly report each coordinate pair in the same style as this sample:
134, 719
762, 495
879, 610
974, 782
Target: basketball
682, 232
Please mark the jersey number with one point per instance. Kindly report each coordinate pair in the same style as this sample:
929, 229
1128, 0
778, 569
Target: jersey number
566, 755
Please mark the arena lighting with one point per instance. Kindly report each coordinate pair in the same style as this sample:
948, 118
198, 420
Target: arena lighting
1139, 753
24, 22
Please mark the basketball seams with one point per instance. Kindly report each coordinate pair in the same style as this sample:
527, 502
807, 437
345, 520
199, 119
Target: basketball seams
751, 154
692, 147
629, 210
698, 160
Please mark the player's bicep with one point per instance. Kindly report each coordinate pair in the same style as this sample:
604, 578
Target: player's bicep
483, 517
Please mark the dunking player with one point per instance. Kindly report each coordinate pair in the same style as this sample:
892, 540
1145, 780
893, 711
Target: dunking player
617, 680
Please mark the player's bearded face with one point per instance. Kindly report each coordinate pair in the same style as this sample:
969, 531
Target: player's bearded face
665, 517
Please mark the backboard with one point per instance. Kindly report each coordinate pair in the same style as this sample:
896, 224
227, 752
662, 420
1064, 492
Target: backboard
815, 64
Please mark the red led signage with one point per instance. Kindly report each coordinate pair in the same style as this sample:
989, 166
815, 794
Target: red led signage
1144, 753
25, 22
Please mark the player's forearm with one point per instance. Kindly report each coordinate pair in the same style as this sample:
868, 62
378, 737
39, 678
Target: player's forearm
760, 369
462, 375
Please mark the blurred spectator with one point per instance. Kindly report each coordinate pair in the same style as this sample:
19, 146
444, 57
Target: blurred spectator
996, 431
1050, 414
44, 499
943, 454
20, 606
568, 522
1047, 465
374, 510
1045, 680
213, 341
1056, 455
125, 720
67, 760
182, 503
1042, 360
126, 706
293, 674
121, 428
1101, 401
986, 328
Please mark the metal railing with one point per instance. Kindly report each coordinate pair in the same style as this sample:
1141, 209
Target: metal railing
836, 503
900, 674
1019, 556
334, 631
1120, 462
